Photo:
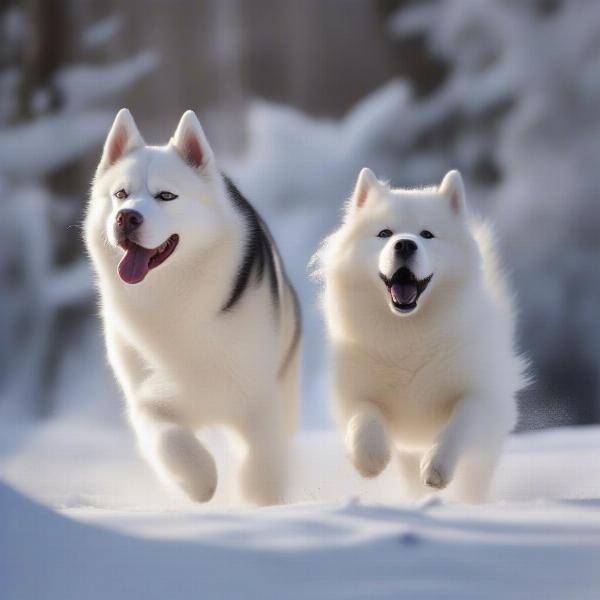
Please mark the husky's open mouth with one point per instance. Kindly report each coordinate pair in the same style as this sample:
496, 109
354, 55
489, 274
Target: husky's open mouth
136, 263
405, 289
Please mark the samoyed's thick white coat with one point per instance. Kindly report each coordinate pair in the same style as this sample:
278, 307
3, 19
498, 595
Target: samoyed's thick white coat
421, 329
201, 323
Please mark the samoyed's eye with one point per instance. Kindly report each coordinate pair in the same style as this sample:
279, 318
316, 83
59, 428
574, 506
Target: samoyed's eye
165, 196
121, 194
385, 233
426, 234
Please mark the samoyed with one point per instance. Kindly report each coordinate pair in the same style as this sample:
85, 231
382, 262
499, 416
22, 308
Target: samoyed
421, 328
201, 323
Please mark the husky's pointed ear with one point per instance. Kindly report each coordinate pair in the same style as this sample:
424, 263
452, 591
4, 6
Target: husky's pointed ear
190, 142
452, 187
366, 182
123, 137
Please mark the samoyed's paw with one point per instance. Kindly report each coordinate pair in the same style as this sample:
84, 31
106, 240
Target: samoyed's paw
436, 469
367, 445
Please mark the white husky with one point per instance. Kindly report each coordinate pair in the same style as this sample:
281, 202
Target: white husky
201, 324
421, 327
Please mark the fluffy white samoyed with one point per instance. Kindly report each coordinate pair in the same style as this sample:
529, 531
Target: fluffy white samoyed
421, 328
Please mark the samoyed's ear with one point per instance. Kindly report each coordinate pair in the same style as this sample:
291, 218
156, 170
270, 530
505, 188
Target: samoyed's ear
452, 187
123, 137
366, 182
191, 143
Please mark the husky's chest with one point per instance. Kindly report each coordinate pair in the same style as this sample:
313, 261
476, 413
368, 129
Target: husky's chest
189, 338
213, 365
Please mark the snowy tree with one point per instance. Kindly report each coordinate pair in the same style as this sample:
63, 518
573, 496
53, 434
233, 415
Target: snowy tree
51, 116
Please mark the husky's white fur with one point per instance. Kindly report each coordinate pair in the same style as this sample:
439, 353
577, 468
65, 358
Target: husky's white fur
211, 334
421, 328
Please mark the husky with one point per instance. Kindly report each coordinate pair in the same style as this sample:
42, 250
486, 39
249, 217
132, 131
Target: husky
202, 326
420, 321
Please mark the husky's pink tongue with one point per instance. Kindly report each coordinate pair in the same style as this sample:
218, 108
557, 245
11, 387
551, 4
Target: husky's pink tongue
134, 265
404, 293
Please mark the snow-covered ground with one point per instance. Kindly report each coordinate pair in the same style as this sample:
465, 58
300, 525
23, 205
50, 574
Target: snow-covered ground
81, 516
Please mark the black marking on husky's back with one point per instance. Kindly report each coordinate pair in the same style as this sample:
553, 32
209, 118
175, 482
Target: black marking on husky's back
258, 255
260, 258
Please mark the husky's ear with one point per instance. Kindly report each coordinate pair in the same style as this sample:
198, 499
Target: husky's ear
452, 187
123, 137
190, 142
366, 182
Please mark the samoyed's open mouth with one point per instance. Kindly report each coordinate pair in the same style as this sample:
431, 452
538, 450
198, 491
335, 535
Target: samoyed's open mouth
136, 263
405, 289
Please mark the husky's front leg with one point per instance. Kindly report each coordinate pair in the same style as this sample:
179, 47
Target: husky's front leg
476, 430
366, 439
262, 473
175, 452
127, 364
172, 449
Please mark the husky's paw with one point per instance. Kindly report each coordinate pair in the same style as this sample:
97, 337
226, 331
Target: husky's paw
262, 493
186, 462
436, 470
262, 482
199, 491
367, 445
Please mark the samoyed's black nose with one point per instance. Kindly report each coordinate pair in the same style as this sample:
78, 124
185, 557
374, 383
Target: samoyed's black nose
405, 248
128, 220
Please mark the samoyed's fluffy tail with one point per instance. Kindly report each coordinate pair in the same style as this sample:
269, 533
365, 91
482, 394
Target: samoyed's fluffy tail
494, 276
495, 280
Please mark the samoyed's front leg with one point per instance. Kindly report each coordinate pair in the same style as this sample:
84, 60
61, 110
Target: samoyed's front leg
474, 474
176, 454
476, 428
439, 463
366, 440
263, 473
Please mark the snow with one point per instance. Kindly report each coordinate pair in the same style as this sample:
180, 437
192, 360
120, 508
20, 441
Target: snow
102, 32
24, 149
97, 524
82, 84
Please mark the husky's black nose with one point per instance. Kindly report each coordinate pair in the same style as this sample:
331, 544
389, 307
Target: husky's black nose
128, 220
405, 248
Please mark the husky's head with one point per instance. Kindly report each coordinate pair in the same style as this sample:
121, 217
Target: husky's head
152, 204
408, 245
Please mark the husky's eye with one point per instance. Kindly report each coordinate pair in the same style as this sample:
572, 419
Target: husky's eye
426, 234
385, 233
165, 196
121, 195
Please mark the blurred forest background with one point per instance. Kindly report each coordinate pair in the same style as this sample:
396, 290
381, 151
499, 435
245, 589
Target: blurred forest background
296, 97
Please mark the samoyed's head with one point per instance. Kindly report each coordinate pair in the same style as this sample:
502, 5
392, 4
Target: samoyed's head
152, 205
402, 246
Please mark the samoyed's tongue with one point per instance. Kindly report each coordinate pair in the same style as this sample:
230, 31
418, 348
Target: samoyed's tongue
134, 265
404, 293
